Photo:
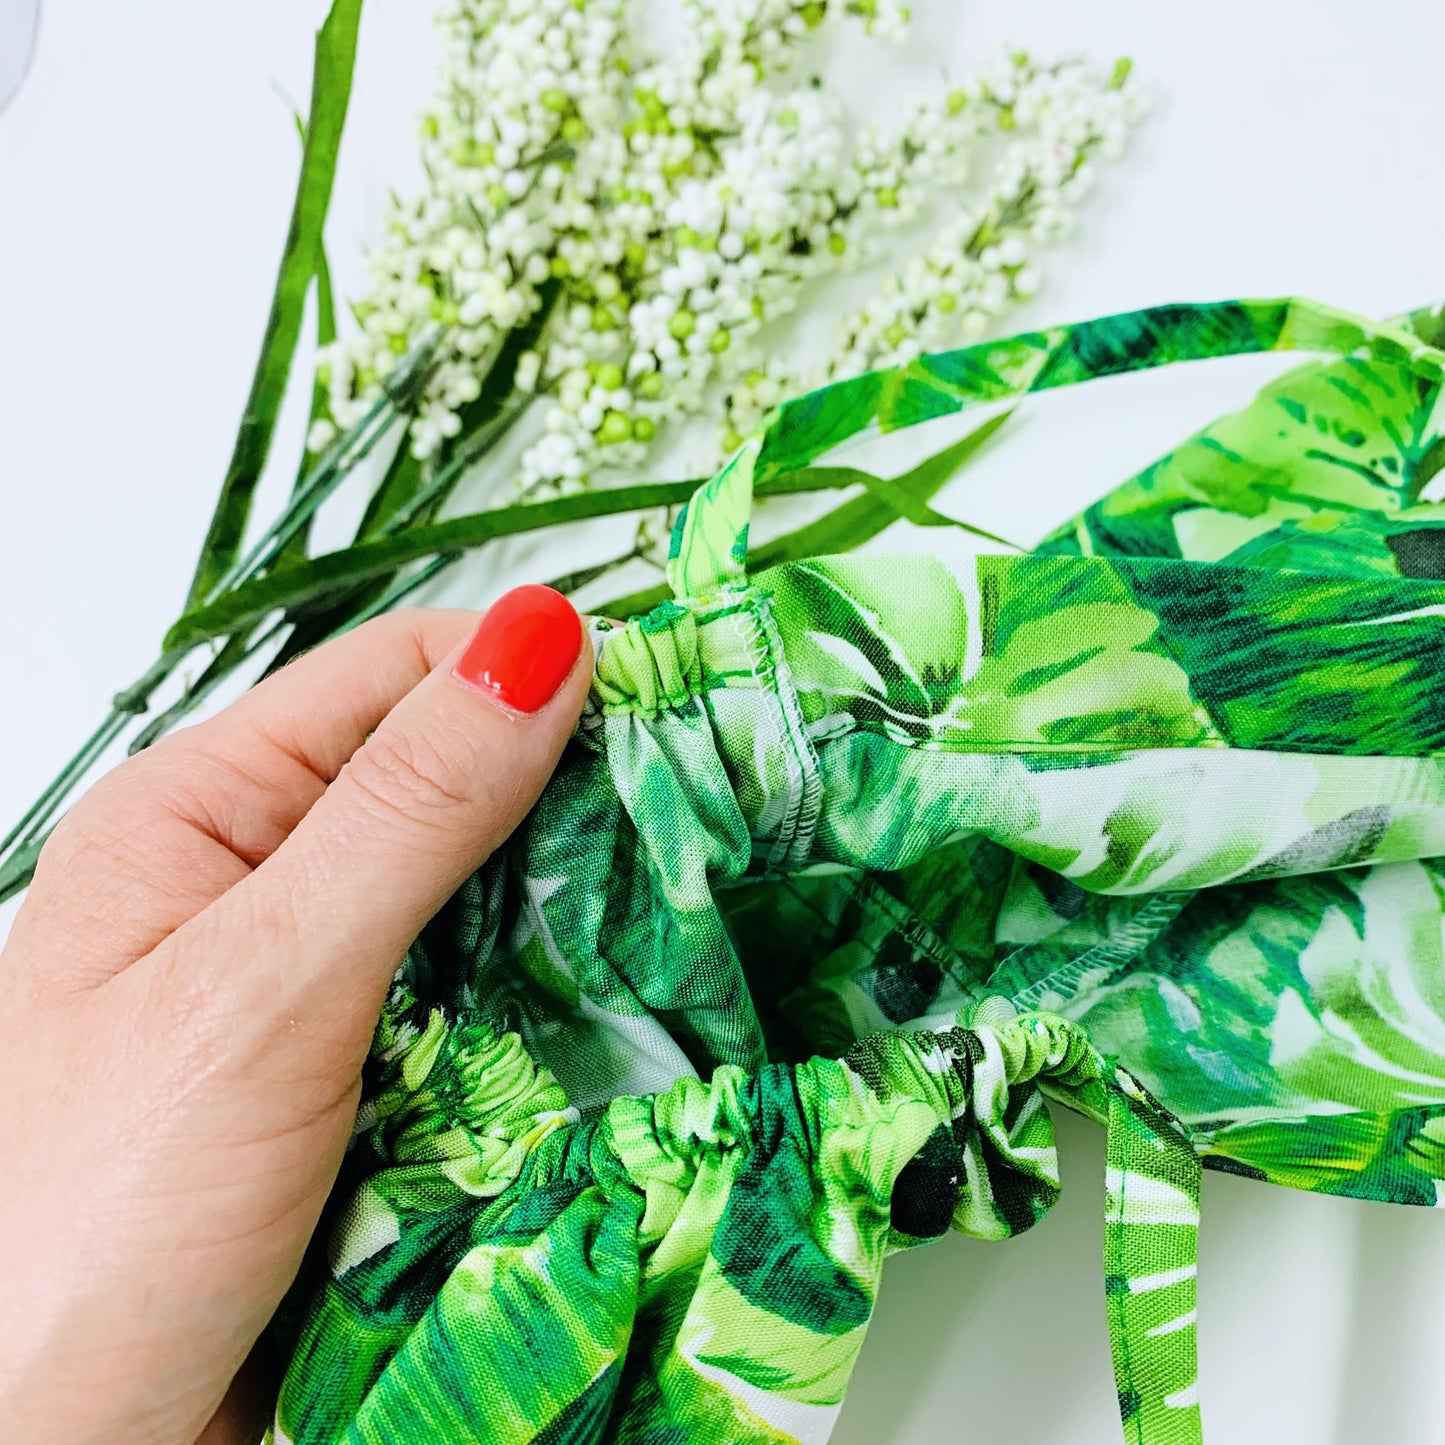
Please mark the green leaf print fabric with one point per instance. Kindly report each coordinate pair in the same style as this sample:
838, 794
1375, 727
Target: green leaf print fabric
857, 865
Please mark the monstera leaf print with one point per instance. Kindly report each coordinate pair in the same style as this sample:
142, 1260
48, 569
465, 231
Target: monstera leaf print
1298, 1026
1023, 652
1303, 663
1035, 653
1407, 543
1367, 1028
855, 643
1070, 659
1330, 445
1396, 1157
816, 423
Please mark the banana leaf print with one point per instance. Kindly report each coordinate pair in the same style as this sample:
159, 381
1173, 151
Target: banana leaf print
1395, 1157
857, 866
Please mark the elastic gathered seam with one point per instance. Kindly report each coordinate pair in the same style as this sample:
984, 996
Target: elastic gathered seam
779, 719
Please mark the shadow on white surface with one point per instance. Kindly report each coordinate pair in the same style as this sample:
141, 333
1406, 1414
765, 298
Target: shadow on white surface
19, 32
996, 1340
1390, 1388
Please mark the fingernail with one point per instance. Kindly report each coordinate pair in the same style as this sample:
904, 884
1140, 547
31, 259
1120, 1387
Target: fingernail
523, 649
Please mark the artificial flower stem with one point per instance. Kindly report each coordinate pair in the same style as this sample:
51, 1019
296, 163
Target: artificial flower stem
84, 756
350, 448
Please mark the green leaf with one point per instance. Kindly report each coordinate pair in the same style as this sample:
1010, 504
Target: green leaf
313, 624
846, 527
398, 485
330, 94
908, 503
292, 586
295, 547
849, 526
312, 580
575, 581
325, 323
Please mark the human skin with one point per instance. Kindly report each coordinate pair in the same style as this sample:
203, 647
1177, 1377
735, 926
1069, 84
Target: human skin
190, 990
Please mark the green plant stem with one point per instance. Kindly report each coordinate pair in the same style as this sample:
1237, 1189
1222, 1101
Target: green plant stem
292, 586
39, 811
328, 474
17, 870
332, 70
241, 648
399, 591
238, 650
127, 704
466, 455
570, 582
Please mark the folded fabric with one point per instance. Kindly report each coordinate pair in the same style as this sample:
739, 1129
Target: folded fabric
855, 862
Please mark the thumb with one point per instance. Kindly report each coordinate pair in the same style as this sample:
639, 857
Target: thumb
314, 935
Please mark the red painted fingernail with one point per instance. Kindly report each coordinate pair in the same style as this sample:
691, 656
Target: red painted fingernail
523, 648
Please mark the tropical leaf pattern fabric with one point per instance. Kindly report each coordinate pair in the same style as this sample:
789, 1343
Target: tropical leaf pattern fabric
858, 864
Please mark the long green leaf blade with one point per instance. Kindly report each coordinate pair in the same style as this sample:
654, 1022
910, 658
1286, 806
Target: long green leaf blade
905, 496
296, 547
305, 582
293, 586
330, 95
853, 523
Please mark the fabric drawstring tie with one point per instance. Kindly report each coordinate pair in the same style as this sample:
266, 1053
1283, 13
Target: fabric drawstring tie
1151, 1211
1151, 1233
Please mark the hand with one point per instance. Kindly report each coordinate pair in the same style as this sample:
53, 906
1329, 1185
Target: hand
191, 987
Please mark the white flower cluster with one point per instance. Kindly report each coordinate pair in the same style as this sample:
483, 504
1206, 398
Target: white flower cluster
982, 258
611, 231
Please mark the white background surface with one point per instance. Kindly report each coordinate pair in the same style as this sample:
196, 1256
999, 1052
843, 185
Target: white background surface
145, 177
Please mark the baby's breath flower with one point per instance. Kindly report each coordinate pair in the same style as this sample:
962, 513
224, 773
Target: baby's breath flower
650, 217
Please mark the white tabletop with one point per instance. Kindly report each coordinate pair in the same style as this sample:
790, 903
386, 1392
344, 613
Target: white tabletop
145, 177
